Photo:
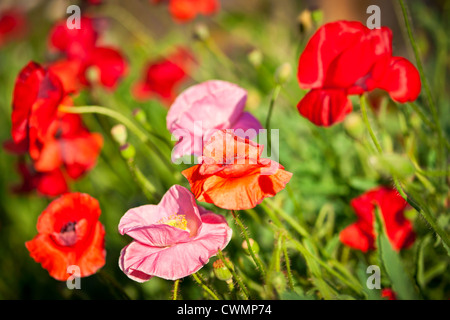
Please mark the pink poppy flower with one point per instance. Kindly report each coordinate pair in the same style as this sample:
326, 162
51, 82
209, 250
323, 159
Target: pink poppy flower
172, 239
199, 111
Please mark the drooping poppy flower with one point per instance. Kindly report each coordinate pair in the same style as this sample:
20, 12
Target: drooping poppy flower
50, 183
58, 144
163, 76
172, 239
69, 233
360, 235
344, 58
70, 144
232, 174
185, 10
12, 25
389, 294
37, 95
81, 46
201, 110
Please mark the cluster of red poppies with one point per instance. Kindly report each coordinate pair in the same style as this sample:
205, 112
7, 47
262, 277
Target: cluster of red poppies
341, 59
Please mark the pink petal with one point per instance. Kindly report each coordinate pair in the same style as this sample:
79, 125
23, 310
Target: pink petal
247, 124
216, 103
140, 262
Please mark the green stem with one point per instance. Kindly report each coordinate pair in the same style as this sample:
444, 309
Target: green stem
202, 283
247, 239
413, 203
433, 109
275, 93
288, 263
368, 126
238, 279
176, 284
142, 135
113, 285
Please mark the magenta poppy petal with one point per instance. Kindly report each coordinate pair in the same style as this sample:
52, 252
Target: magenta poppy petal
247, 126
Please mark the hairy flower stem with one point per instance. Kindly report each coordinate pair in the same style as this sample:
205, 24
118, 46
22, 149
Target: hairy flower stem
247, 239
413, 203
238, 279
176, 285
287, 262
431, 104
198, 278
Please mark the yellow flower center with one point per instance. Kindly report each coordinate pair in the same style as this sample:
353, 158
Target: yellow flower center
176, 220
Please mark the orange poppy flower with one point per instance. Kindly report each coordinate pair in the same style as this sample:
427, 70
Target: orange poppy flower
232, 175
69, 233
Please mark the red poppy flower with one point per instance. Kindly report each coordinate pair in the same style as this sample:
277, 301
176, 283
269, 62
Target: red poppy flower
69, 233
37, 95
186, 10
69, 144
51, 183
360, 235
344, 58
232, 174
81, 46
12, 25
164, 75
389, 294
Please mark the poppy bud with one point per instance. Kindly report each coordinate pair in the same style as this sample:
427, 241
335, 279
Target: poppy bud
127, 151
354, 125
93, 74
201, 32
140, 115
253, 244
278, 281
221, 271
283, 73
119, 134
392, 164
255, 57
305, 21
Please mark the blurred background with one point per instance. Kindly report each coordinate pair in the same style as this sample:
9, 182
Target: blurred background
244, 43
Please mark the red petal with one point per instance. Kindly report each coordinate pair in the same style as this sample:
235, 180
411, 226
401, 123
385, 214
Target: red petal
110, 63
325, 107
323, 48
401, 80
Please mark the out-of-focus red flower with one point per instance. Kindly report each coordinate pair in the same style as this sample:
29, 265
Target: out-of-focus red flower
59, 145
37, 95
51, 183
80, 46
162, 76
344, 58
360, 235
70, 145
232, 174
186, 10
69, 233
12, 25
389, 294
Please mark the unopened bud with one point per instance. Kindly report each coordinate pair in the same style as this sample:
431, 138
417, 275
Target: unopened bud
119, 134
140, 115
255, 57
278, 281
392, 164
253, 245
127, 151
283, 73
354, 125
93, 74
201, 32
221, 271
305, 21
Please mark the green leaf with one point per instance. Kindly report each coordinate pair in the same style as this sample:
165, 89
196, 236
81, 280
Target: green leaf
401, 282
